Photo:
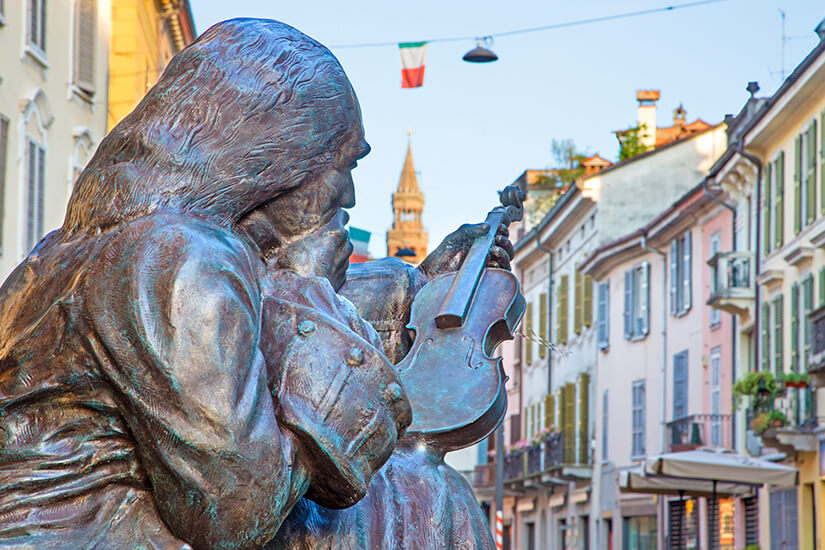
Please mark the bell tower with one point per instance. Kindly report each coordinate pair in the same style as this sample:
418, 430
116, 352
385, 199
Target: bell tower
407, 239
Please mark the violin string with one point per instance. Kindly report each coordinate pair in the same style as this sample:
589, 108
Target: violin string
531, 336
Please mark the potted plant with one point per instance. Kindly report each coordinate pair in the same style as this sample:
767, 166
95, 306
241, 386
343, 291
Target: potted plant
796, 380
761, 386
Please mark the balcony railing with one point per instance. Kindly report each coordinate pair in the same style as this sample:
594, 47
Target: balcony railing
484, 475
700, 430
732, 282
523, 464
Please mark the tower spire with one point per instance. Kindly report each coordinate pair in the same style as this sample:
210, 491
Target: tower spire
407, 238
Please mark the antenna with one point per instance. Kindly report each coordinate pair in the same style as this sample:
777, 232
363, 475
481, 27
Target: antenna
783, 41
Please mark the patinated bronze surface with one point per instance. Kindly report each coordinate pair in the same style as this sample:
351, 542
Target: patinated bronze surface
179, 366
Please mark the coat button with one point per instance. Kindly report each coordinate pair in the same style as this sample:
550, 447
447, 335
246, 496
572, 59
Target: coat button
305, 328
355, 357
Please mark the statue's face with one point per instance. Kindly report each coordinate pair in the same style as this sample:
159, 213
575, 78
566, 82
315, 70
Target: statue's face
304, 230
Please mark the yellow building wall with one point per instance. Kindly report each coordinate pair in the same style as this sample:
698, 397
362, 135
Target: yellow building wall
139, 51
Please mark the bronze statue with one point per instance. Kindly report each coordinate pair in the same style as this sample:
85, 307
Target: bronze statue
187, 362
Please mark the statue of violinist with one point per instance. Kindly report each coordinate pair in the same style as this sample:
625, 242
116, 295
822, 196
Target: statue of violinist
187, 362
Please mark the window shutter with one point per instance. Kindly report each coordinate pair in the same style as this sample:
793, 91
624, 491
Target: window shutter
810, 172
687, 276
603, 297
33, 7
778, 344
822, 162
528, 329
588, 301
43, 12
643, 405
808, 305
794, 327
85, 16
543, 324
645, 298
549, 411
526, 430
628, 304
779, 203
674, 276
797, 184
605, 417
766, 337
41, 183
564, 311
4, 135
578, 306
680, 385
766, 209
584, 419
31, 186
569, 420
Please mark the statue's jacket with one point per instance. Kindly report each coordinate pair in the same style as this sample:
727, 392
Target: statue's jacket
153, 395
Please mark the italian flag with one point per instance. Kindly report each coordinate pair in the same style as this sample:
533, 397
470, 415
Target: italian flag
412, 63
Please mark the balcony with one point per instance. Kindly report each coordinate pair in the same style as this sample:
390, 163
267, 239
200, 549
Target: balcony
700, 430
731, 284
816, 354
796, 431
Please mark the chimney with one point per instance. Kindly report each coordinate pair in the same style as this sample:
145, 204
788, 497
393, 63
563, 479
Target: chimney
647, 116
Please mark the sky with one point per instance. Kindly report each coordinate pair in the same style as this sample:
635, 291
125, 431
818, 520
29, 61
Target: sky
477, 127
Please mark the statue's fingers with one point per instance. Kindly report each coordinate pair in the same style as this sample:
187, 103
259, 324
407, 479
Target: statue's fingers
504, 243
503, 230
498, 258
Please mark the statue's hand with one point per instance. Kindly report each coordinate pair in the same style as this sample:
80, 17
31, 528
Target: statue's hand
450, 254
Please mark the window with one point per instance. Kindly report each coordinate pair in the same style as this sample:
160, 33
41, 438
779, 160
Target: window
804, 177
821, 162
680, 275
638, 418
583, 312
35, 179
37, 24
636, 300
603, 311
716, 396
563, 316
773, 190
604, 425
680, 385
4, 135
84, 45
715, 248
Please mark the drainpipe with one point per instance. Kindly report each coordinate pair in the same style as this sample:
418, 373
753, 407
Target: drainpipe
733, 338
664, 339
549, 311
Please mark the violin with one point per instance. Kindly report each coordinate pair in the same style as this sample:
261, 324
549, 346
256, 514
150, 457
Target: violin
453, 382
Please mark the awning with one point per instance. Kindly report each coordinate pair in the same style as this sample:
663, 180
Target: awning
636, 481
721, 466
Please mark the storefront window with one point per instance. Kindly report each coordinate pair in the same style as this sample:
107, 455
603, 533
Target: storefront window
726, 524
640, 533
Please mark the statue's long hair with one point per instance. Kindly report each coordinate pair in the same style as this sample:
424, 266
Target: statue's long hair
242, 115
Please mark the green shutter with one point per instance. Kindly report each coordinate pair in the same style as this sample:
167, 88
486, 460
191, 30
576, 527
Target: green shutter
528, 330
549, 411
570, 423
822, 162
778, 335
794, 327
588, 300
584, 421
766, 210
564, 309
526, 424
543, 324
797, 184
808, 305
577, 307
810, 172
779, 207
766, 337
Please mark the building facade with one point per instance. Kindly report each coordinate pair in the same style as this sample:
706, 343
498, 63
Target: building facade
53, 80
145, 36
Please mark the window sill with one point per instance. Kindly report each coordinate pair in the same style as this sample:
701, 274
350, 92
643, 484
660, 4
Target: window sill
682, 312
82, 96
37, 55
638, 338
716, 326
638, 457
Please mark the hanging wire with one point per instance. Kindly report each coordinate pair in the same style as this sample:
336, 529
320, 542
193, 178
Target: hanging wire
554, 26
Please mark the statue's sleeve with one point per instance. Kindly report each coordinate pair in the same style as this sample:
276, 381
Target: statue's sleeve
174, 322
383, 291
